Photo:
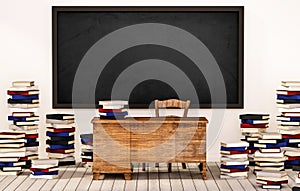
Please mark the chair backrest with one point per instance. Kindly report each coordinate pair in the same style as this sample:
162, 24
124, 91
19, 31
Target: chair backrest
172, 103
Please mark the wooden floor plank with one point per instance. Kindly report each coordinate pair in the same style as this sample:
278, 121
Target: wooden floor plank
142, 183
86, 180
153, 177
75, 179
131, 185
49, 184
6, 181
186, 179
16, 182
252, 180
196, 177
215, 171
108, 182
210, 182
164, 181
96, 185
26, 184
65, 178
175, 178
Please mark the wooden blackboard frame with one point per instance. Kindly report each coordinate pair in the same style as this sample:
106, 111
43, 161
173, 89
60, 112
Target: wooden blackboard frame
238, 9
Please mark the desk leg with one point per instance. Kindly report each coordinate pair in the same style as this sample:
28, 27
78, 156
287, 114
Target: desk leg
127, 176
96, 176
204, 170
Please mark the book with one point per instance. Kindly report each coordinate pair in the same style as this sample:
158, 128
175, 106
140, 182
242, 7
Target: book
11, 168
66, 163
272, 150
246, 125
61, 126
268, 155
289, 132
230, 163
51, 129
233, 170
44, 176
274, 174
252, 121
287, 92
59, 155
253, 130
23, 105
9, 159
58, 121
288, 88
255, 116
264, 186
269, 168
290, 83
26, 123
23, 92
60, 116
54, 138
234, 174
289, 123
11, 145
11, 135
291, 114
112, 102
22, 114
266, 141
4, 141
6, 150
288, 106
30, 157
49, 142
236, 144
270, 135
109, 110
55, 168
12, 154
8, 173
233, 148
231, 152
233, 166
113, 106
30, 118
22, 83
225, 176
22, 101
286, 136
60, 150
61, 134
287, 101
268, 182
55, 147
244, 156
110, 114
24, 97
23, 127
44, 173
259, 163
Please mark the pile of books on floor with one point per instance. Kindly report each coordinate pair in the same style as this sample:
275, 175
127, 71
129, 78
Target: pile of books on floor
23, 101
288, 102
269, 161
11, 150
112, 109
44, 168
87, 148
60, 138
234, 160
251, 126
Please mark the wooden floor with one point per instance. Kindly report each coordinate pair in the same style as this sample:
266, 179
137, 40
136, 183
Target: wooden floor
153, 179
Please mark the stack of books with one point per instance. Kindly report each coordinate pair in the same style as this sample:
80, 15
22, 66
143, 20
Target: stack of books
11, 150
60, 138
44, 168
87, 149
234, 160
269, 161
112, 109
288, 102
251, 126
23, 101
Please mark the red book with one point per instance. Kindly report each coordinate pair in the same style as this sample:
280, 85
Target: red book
109, 110
54, 130
64, 151
44, 170
29, 92
87, 160
236, 152
31, 136
230, 170
267, 182
291, 136
246, 125
293, 158
286, 92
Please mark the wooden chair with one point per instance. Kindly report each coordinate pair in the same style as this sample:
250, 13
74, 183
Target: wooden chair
171, 103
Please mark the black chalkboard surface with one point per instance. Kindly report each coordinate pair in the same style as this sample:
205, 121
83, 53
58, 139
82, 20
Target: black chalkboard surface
173, 67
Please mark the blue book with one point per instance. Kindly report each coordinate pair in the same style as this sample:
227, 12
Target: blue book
234, 166
61, 134
44, 173
280, 144
86, 141
252, 121
112, 114
54, 147
294, 162
233, 148
18, 97
30, 140
296, 97
6, 164
11, 118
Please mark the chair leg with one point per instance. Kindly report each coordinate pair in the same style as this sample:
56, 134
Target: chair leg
183, 165
169, 167
157, 165
143, 166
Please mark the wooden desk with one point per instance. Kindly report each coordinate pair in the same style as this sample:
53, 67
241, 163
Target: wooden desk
118, 143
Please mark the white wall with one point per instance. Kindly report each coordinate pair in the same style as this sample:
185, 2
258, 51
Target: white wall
271, 54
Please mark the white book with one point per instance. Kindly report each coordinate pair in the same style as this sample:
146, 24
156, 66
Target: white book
23, 105
233, 174
12, 145
52, 162
13, 154
7, 150
8, 173
291, 114
23, 83
236, 144
59, 155
44, 176
269, 163
24, 88
235, 163
275, 174
58, 121
61, 126
285, 110
23, 127
225, 176
9, 159
289, 122
3, 141
286, 127
290, 83
289, 88
252, 130
86, 157
113, 106
266, 141
268, 155
113, 102
226, 159
233, 156
294, 140
289, 132
273, 168
11, 168
270, 135
272, 178
270, 159
275, 186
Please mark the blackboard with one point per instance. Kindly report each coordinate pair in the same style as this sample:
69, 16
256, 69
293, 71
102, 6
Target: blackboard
77, 30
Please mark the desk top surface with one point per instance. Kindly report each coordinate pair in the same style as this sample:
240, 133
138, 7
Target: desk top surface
153, 120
